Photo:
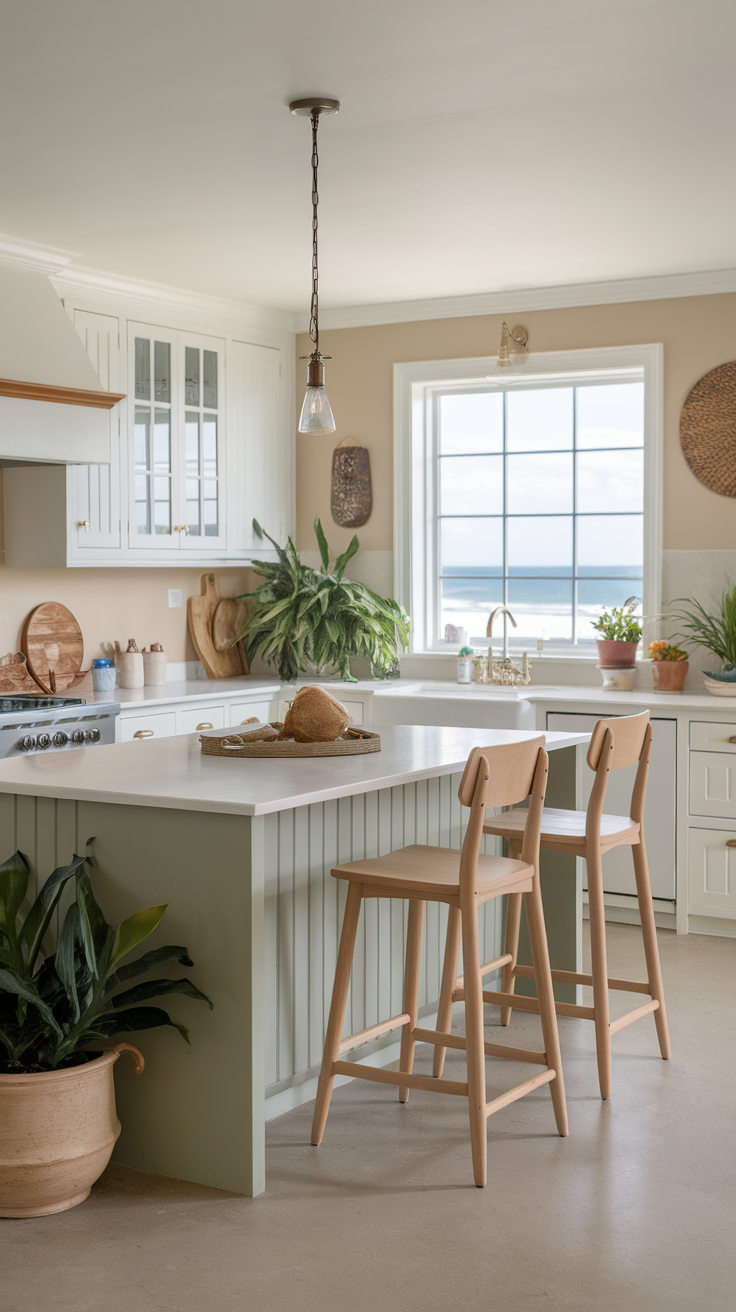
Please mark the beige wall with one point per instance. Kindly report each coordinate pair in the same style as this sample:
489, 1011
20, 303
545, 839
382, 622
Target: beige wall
698, 333
110, 604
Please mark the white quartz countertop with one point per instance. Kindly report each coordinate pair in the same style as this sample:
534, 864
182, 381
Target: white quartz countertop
173, 773
590, 695
192, 690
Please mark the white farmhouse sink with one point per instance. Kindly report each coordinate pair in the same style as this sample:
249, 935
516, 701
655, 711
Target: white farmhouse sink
470, 706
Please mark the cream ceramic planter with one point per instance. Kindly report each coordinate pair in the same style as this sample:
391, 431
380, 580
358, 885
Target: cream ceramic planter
57, 1133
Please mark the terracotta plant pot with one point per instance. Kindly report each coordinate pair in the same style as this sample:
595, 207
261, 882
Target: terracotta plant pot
58, 1132
669, 676
616, 655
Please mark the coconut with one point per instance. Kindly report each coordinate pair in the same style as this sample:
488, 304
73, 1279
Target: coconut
315, 717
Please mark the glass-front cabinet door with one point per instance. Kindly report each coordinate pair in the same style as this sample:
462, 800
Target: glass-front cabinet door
201, 516
175, 441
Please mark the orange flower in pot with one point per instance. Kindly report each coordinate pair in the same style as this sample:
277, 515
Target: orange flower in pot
669, 666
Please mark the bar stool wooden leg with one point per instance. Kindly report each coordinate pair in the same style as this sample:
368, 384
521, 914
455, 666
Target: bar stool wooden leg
651, 949
411, 989
545, 994
511, 945
449, 979
599, 969
475, 1051
337, 1010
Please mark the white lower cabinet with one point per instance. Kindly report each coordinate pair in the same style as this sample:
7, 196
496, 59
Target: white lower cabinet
155, 724
713, 784
241, 712
712, 872
190, 719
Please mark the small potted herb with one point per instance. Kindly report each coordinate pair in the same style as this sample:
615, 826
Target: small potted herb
669, 666
57, 1004
620, 631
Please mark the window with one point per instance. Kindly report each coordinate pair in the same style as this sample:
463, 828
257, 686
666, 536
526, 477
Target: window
540, 495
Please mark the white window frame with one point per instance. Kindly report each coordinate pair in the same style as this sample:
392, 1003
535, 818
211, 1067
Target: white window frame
414, 530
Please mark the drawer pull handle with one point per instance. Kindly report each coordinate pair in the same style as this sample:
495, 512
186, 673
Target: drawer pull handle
731, 842
205, 725
143, 733
732, 740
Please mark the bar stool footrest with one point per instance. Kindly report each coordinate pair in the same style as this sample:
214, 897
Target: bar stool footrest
402, 1079
528, 1004
373, 1032
575, 977
491, 1049
519, 1091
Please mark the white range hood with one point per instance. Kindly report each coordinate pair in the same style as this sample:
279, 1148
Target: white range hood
53, 409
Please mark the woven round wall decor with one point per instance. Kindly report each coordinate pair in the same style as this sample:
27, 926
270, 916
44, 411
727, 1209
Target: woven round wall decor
708, 429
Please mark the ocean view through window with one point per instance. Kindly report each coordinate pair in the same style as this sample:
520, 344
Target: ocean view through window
539, 495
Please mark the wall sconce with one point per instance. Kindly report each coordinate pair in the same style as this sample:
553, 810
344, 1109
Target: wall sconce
513, 342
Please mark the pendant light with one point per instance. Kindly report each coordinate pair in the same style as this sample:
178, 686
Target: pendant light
510, 360
316, 415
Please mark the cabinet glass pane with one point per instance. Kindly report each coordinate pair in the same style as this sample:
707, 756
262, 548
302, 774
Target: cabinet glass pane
162, 505
162, 371
209, 444
209, 372
142, 369
142, 437
209, 503
194, 523
162, 442
191, 375
191, 428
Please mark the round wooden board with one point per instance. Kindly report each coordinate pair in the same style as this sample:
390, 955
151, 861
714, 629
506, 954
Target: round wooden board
52, 625
708, 429
356, 745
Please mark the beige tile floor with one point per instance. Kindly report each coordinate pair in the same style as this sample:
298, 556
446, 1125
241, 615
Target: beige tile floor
633, 1213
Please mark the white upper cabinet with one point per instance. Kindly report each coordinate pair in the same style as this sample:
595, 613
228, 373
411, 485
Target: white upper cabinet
94, 490
202, 445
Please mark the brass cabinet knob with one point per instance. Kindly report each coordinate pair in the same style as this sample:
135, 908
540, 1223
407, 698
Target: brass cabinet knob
205, 725
143, 733
84, 523
731, 842
732, 740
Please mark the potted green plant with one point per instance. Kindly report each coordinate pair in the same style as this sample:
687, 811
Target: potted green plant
300, 616
715, 633
669, 666
57, 1097
620, 632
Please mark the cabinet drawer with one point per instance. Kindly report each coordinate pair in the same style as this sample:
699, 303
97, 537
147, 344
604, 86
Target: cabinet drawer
162, 725
712, 873
239, 712
191, 718
705, 737
713, 784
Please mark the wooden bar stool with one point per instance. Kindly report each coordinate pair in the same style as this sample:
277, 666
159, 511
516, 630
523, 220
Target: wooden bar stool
614, 744
493, 776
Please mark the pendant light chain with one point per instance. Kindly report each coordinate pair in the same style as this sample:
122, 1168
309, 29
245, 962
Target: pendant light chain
314, 307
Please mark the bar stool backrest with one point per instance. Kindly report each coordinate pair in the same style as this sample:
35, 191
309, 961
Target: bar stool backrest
614, 745
501, 775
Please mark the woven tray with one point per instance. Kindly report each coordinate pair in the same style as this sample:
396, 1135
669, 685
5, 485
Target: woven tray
355, 742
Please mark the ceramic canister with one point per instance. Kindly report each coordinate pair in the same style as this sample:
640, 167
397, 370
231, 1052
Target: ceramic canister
129, 667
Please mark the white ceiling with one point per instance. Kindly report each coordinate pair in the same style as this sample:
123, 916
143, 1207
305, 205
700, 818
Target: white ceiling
481, 145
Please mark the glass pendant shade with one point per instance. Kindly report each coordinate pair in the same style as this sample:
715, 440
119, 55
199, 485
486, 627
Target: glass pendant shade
316, 415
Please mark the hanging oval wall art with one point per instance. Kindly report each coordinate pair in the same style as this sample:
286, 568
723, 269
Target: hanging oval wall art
708, 429
351, 498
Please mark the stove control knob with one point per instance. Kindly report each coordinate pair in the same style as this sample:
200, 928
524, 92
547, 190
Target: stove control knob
93, 735
43, 741
26, 743
78, 736
60, 739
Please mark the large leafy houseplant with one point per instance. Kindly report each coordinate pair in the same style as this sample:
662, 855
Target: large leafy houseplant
300, 615
54, 1003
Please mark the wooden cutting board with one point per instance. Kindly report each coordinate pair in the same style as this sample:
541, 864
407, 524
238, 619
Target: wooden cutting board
52, 643
227, 664
14, 676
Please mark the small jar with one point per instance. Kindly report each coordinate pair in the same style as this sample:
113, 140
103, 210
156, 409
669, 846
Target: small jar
465, 669
103, 675
616, 679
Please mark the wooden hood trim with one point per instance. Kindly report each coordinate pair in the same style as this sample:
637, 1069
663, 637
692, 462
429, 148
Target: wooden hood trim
63, 395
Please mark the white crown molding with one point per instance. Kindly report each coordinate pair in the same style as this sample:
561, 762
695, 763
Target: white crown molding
30, 255
666, 287
219, 311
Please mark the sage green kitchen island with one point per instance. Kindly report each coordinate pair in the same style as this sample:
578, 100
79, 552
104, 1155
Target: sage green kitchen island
241, 850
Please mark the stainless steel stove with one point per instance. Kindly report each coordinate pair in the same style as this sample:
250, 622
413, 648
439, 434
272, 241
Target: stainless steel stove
54, 724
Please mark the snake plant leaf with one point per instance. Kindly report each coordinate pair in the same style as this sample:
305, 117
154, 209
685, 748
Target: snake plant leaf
134, 930
155, 988
11, 982
149, 961
142, 1018
14, 875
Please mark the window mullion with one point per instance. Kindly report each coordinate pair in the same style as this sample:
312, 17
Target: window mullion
574, 516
